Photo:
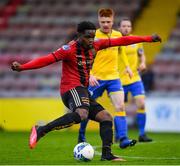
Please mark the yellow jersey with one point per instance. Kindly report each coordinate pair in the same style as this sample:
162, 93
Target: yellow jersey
105, 66
132, 56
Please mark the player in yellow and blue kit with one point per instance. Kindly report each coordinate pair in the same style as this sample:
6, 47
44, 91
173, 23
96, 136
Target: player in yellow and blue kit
105, 76
137, 62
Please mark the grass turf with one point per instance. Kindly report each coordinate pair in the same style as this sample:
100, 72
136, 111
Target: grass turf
57, 148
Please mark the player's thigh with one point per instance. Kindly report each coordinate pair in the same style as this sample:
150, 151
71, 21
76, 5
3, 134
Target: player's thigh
75, 98
117, 100
126, 90
114, 86
137, 88
116, 93
138, 92
97, 91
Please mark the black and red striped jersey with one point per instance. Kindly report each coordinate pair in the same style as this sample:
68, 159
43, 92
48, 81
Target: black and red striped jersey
76, 65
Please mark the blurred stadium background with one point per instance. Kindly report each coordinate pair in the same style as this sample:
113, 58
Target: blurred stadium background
30, 28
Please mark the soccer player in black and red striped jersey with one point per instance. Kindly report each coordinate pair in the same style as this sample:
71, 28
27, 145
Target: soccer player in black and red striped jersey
77, 59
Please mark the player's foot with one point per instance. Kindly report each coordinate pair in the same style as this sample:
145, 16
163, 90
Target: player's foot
34, 136
124, 143
111, 157
144, 138
81, 137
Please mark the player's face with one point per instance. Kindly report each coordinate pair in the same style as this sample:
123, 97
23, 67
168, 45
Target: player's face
106, 24
125, 27
87, 39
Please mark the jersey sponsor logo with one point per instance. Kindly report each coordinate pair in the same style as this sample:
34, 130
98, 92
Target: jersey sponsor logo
88, 62
81, 63
79, 56
65, 47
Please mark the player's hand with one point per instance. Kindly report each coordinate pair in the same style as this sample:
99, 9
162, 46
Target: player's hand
16, 66
142, 67
129, 72
93, 81
156, 38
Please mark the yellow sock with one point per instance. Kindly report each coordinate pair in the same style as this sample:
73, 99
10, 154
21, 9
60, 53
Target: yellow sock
141, 111
120, 113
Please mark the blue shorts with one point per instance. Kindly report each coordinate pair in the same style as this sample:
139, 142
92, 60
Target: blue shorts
109, 85
136, 89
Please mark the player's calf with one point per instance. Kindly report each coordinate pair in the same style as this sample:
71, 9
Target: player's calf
106, 136
64, 121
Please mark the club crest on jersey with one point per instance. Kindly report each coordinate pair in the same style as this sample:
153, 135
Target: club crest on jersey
65, 47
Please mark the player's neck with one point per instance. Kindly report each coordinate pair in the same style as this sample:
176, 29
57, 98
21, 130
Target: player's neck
106, 33
85, 47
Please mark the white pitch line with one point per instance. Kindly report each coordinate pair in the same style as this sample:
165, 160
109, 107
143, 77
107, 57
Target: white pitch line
139, 157
97, 153
152, 158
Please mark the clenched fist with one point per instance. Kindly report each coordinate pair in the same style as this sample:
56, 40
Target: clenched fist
16, 66
156, 38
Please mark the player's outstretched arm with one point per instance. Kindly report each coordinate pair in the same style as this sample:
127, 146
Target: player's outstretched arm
127, 40
34, 64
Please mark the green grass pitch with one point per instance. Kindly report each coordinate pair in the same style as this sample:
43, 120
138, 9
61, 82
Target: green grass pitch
56, 148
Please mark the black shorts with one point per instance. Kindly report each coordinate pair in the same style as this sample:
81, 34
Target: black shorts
79, 97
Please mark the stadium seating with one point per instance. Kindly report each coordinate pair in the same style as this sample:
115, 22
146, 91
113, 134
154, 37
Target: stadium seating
167, 64
31, 28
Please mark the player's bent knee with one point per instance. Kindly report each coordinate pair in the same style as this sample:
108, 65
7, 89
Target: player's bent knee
83, 113
140, 102
141, 105
103, 116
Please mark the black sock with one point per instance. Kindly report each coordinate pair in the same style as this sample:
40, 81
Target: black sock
64, 121
106, 151
106, 136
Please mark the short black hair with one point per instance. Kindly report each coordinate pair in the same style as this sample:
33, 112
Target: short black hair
85, 25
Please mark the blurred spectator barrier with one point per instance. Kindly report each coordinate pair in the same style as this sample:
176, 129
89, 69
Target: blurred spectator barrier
22, 113
163, 114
